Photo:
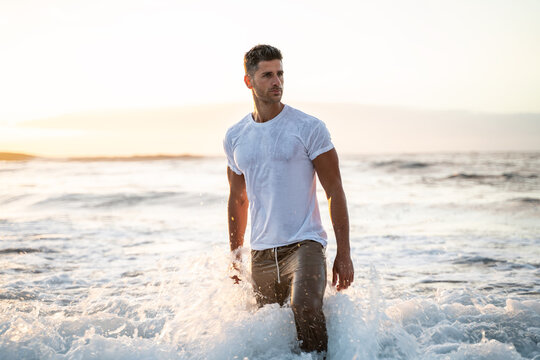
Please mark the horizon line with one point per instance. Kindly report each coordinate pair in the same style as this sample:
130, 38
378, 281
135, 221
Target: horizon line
18, 156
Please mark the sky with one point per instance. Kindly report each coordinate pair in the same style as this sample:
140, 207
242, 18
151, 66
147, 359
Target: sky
74, 59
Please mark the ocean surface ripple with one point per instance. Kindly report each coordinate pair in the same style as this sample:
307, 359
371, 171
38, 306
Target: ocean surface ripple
128, 259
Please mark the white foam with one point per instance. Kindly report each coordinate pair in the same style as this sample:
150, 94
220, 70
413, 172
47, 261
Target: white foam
192, 310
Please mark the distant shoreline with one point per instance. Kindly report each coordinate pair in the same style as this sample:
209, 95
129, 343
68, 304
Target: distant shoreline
135, 157
11, 156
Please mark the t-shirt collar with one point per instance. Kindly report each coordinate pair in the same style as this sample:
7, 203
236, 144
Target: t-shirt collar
272, 120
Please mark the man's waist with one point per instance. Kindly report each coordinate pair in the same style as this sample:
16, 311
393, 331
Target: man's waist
285, 246
281, 247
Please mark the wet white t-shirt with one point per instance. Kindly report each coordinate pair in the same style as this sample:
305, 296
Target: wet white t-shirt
275, 158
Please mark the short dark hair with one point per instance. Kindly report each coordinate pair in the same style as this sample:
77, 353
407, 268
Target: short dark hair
260, 53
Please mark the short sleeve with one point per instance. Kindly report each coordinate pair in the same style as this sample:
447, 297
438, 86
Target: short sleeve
230, 156
319, 140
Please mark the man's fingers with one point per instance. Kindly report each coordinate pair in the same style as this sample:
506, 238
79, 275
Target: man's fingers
343, 284
236, 268
345, 281
236, 265
343, 273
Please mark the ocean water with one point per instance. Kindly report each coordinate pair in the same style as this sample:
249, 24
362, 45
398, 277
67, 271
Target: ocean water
129, 260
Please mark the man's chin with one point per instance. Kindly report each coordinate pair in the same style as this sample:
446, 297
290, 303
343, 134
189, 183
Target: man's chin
275, 95
276, 98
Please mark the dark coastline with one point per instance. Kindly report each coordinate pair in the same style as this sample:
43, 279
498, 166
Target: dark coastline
9, 156
12, 156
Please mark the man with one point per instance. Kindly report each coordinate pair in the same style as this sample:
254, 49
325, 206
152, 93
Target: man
273, 155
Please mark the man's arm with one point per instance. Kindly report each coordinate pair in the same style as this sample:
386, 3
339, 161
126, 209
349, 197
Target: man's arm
237, 210
327, 168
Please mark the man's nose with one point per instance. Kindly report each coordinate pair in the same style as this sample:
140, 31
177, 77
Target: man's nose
276, 81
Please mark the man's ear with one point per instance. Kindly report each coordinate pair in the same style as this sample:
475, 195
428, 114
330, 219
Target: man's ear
247, 81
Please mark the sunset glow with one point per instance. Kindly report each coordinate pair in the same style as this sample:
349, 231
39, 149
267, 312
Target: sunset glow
75, 58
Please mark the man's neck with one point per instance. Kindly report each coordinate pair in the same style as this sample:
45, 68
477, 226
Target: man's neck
266, 111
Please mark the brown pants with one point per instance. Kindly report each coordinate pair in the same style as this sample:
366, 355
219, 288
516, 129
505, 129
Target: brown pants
298, 271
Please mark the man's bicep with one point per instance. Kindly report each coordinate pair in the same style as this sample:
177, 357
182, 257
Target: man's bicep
327, 168
237, 183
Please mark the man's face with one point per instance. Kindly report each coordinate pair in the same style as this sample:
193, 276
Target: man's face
267, 81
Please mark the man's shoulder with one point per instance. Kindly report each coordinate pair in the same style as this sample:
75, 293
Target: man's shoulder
301, 116
304, 122
237, 128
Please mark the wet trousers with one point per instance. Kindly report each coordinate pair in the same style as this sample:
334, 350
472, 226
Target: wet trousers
297, 271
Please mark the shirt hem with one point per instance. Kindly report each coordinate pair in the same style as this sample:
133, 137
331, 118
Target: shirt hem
237, 172
321, 151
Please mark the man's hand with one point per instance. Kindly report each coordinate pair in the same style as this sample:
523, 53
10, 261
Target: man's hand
235, 267
343, 270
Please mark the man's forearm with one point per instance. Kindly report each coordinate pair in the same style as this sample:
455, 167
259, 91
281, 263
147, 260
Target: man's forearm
340, 221
237, 213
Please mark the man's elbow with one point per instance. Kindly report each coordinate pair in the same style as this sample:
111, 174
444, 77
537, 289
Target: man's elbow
242, 201
334, 191
238, 199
